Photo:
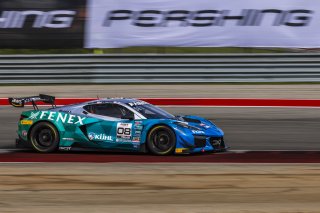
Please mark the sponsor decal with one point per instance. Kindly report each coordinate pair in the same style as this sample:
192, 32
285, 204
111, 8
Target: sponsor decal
205, 126
197, 132
65, 148
207, 18
125, 23
124, 130
68, 139
91, 136
24, 133
65, 111
181, 150
99, 137
136, 139
17, 102
138, 127
26, 122
58, 117
34, 115
137, 133
12, 19
216, 142
122, 140
42, 24
138, 103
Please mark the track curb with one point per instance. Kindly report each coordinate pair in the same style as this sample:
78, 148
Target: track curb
204, 102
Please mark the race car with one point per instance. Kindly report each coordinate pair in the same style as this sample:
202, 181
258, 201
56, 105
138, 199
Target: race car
114, 124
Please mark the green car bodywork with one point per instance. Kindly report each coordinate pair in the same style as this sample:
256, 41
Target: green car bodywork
124, 125
76, 129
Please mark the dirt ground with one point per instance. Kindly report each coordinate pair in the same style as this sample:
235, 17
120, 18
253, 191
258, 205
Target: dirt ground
153, 188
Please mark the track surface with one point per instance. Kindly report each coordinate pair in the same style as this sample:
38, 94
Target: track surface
229, 157
248, 128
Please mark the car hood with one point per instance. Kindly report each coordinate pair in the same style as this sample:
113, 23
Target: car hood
205, 126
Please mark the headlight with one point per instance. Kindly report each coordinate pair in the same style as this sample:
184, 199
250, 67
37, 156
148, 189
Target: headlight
185, 125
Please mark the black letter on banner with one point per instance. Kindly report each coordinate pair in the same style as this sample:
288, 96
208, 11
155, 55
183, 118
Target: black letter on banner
279, 17
225, 16
205, 21
293, 15
140, 18
114, 16
176, 15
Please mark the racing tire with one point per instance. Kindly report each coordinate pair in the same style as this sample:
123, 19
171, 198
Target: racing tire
44, 137
161, 140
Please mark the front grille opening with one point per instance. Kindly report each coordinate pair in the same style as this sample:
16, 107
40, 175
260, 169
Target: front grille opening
200, 141
217, 142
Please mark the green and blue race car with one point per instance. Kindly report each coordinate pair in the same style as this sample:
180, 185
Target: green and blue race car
115, 124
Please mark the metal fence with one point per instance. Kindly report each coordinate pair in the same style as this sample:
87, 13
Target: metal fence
167, 68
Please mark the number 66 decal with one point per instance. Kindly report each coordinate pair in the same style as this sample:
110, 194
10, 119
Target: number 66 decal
124, 130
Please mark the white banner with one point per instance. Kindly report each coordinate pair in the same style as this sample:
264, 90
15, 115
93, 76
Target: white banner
203, 23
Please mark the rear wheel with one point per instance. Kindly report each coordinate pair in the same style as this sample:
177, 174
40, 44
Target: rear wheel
44, 137
161, 140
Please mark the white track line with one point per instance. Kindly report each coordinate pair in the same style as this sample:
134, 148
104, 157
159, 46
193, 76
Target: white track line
10, 150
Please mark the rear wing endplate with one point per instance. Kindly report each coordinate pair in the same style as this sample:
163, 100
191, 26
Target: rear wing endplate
20, 102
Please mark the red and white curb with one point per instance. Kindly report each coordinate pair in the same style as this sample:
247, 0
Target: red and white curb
204, 102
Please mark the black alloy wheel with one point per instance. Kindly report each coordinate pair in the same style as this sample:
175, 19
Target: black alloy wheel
44, 137
161, 140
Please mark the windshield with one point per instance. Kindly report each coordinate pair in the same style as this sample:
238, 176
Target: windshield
151, 112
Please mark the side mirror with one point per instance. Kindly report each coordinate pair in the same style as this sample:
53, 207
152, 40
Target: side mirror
128, 117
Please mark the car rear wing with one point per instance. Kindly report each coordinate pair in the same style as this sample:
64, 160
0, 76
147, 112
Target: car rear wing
20, 102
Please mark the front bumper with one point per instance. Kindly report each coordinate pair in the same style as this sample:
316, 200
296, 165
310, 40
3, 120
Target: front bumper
203, 144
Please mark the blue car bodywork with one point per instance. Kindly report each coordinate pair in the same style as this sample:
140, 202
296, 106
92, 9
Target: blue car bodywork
92, 126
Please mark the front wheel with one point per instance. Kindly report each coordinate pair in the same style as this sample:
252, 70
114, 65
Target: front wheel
161, 140
44, 137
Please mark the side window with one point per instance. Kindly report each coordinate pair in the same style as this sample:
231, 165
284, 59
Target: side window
146, 112
111, 110
124, 111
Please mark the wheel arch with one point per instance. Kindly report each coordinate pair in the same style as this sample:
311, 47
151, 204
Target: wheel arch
160, 124
45, 121
153, 126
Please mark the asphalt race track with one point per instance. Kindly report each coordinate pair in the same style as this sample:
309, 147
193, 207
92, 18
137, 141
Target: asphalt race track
246, 128
272, 166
